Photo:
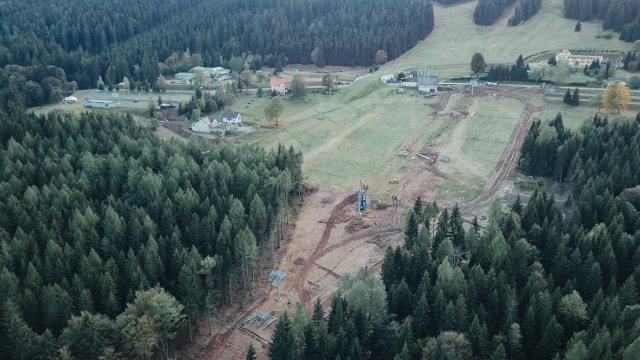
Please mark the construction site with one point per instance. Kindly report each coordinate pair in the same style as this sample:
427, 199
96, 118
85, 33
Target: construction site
340, 231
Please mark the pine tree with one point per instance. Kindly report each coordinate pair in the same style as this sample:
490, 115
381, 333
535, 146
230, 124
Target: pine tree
568, 99
499, 353
411, 229
251, 353
575, 99
479, 337
281, 340
629, 293
516, 207
422, 318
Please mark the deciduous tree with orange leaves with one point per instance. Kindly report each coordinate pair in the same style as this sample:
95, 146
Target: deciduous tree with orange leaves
616, 97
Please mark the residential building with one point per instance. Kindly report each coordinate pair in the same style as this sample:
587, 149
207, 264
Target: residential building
204, 124
188, 78
279, 85
565, 56
231, 117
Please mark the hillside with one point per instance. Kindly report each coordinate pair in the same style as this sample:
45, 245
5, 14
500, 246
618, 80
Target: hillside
123, 38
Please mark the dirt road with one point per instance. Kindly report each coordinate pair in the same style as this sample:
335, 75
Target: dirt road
508, 160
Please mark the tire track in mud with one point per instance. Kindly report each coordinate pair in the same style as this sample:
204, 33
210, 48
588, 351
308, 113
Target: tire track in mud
299, 279
509, 157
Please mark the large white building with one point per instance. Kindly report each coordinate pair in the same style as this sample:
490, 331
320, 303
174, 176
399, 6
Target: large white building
565, 56
98, 103
212, 72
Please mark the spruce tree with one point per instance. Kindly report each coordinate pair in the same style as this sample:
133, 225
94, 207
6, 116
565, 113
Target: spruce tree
568, 99
251, 353
422, 318
281, 340
629, 293
575, 99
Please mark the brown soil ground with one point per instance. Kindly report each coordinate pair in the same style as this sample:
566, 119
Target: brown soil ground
317, 253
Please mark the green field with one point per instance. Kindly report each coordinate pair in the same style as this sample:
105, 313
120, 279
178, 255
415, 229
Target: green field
456, 38
365, 124
479, 141
124, 101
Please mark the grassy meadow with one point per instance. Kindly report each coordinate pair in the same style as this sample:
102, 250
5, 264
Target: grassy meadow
366, 124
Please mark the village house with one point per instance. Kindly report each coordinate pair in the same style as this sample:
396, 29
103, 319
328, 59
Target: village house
565, 56
204, 124
231, 117
279, 85
188, 78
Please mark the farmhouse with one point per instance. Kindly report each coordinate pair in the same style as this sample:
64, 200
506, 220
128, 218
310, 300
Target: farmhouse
98, 103
188, 78
279, 85
231, 117
565, 56
428, 84
204, 124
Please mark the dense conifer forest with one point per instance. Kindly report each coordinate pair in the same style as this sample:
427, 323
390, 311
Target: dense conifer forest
450, 2
114, 39
545, 280
488, 11
517, 72
113, 240
622, 16
524, 11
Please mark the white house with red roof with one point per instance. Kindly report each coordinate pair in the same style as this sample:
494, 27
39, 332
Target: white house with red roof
279, 85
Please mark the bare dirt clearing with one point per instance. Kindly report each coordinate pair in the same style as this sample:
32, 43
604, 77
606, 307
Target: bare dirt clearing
318, 251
